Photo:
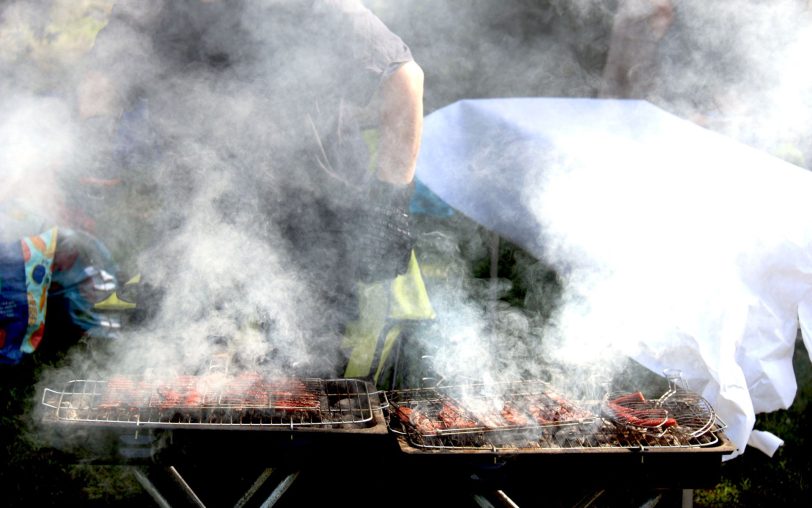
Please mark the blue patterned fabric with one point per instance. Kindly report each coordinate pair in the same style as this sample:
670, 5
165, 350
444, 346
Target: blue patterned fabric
25, 277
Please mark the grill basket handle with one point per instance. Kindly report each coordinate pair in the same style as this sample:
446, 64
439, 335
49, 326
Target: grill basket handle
383, 399
50, 395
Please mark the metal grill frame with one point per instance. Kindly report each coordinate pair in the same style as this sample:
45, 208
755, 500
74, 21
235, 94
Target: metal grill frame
694, 415
598, 436
77, 404
588, 434
511, 391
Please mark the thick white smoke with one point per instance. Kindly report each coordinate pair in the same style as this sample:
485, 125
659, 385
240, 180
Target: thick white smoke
190, 203
737, 66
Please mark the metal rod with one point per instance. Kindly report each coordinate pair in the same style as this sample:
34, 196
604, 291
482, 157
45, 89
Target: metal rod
687, 498
651, 503
263, 478
505, 500
587, 501
482, 501
494, 274
148, 486
380, 344
75, 409
396, 360
173, 473
280, 490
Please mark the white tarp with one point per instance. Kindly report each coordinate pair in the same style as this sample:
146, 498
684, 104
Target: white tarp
682, 248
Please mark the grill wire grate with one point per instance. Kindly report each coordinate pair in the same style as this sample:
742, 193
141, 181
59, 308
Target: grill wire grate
241, 402
415, 414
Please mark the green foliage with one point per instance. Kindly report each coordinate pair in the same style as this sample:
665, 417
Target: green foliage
106, 484
530, 284
726, 493
754, 479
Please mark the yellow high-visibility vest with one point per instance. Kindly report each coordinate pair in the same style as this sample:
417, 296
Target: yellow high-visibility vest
385, 307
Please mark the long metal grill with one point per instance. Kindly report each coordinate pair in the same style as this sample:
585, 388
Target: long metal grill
244, 401
476, 416
424, 419
598, 436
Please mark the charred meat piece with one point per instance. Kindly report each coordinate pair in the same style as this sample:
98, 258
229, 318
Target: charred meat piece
118, 391
542, 414
181, 392
567, 410
633, 409
247, 389
551, 408
167, 396
122, 392
189, 388
629, 399
642, 417
455, 418
292, 394
417, 420
512, 416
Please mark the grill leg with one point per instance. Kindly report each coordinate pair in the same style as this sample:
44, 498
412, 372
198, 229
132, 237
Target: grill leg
687, 498
149, 487
184, 487
280, 489
499, 498
176, 492
482, 501
251, 492
505, 500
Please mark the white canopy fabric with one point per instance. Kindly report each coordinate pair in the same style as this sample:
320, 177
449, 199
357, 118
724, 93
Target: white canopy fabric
681, 248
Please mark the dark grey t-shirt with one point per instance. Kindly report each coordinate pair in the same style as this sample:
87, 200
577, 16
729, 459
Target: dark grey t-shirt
288, 76
262, 95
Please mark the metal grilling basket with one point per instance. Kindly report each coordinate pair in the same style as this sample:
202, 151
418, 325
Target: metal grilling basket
678, 411
245, 401
472, 416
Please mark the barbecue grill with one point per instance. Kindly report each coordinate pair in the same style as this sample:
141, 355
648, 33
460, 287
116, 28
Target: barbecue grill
497, 435
530, 417
273, 427
245, 402
488, 416
553, 440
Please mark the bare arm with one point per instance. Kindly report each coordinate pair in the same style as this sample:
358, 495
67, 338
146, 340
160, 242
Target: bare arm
638, 27
401, 124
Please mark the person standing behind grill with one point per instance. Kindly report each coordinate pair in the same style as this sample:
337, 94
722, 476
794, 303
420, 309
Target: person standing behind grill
271, 93
634, 48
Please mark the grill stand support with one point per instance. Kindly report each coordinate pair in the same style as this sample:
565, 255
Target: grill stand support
149, 487
499, 498
169, 489
280, 490
255, 487
687, 498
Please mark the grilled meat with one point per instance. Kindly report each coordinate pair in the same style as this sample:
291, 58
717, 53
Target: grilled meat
455, 418
417, 420
633, 409
513, 416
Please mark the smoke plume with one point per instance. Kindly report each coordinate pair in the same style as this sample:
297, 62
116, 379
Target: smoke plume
194, 223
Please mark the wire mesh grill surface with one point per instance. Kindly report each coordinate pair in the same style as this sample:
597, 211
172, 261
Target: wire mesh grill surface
423, 417
499, 414
596, 436
678, 412
243, 401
